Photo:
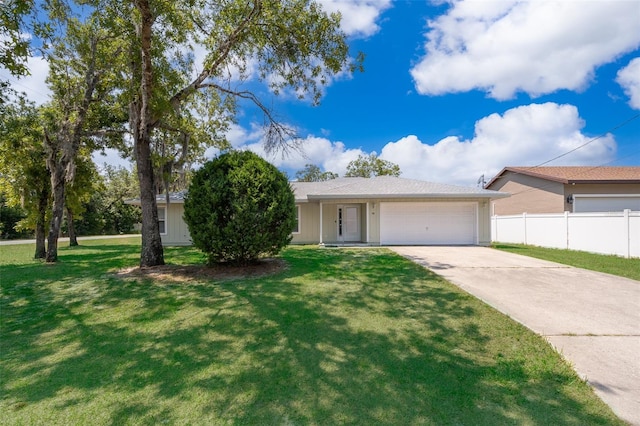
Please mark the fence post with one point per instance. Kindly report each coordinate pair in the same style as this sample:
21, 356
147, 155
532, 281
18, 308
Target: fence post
627, 228
566, 229
494, 228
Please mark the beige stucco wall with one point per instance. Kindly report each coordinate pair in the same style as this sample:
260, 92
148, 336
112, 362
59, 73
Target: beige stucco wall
310, 216
309, 229
330, 220
177, 230
528, 194
310, 220
374, 222
484, 222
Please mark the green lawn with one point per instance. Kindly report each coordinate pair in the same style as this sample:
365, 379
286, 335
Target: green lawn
341, 336
615, 265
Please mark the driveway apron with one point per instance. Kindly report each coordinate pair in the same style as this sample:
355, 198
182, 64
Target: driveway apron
591, 318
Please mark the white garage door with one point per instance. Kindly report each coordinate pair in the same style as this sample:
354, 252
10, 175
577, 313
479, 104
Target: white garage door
587, 204
428, 223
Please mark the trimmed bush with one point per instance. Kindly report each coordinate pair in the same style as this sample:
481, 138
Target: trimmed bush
239, 208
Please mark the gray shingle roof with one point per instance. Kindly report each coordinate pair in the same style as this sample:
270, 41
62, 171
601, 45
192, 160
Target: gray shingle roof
375, 187
385, 187
174, 197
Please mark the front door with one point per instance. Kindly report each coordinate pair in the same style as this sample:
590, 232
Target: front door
348, 223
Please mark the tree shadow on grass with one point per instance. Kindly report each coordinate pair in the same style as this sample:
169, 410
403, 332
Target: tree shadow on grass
422, 369
360, 337
73, 262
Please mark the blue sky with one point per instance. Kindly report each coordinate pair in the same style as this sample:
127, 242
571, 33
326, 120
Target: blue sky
455, 90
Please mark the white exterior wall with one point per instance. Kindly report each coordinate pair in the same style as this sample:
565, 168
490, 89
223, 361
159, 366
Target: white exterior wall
606, 233
177, 229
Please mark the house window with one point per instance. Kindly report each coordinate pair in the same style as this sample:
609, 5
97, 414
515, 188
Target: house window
296, 227
162, 220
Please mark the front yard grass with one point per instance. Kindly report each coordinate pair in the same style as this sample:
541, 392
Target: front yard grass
615, 265
340, 336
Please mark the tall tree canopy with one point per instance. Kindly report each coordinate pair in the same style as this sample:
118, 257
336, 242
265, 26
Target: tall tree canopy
371, 165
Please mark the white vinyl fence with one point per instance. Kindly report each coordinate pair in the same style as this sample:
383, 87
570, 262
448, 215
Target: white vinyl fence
607, 233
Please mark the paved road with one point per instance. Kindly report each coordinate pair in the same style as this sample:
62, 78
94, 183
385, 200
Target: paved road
592, 319
66, 239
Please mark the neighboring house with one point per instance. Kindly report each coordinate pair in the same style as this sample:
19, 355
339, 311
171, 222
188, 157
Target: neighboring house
173, 229
382, 210
576, 189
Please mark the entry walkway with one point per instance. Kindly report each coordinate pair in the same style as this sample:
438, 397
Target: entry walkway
592, 319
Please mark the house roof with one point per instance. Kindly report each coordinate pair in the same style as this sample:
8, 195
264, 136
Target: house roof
174, 197
385, 187
358, 187
576, 174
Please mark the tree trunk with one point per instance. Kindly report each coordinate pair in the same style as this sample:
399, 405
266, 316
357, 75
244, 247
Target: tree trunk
43, 203
141, 123
73, 240
41, 249
152, 253
58, 186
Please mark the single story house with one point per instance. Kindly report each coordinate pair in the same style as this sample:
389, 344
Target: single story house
577, 189
383, 210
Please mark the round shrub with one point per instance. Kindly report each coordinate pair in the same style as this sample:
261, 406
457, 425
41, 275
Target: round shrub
239, 207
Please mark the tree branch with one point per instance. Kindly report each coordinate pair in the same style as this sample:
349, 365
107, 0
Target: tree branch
224, 51
278, 137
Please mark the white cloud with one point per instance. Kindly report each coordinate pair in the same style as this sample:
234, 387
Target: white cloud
358, 16
523, 136
33, 85
239, 138
629, 78
536, 47
328, 155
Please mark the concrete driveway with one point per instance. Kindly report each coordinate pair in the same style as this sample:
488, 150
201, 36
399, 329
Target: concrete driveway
592, 319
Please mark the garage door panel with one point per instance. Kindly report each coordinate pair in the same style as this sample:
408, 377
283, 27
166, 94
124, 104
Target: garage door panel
588, 204
428, 223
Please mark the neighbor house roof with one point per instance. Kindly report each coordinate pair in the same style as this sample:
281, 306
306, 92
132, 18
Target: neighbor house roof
385, 187
576, 174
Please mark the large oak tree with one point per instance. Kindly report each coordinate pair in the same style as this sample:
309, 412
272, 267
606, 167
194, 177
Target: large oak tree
288, 44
